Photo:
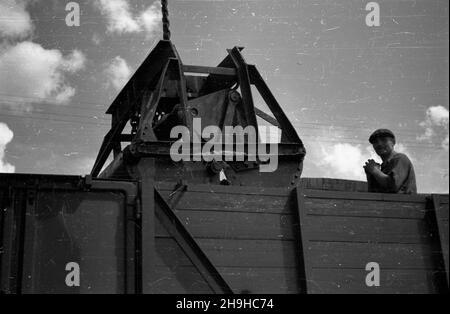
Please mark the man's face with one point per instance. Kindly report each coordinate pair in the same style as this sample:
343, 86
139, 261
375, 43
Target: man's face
383, 146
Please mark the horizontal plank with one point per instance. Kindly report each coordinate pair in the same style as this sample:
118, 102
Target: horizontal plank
231, 253
262, 280
209, 70
177, 280
340, 281
222, 189
356, 229
185, 279
441, 209
409, 198
354, 255
364, 208
333, 184
231, 225
229, 202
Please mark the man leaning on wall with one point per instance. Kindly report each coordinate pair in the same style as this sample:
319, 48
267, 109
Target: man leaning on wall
396, 173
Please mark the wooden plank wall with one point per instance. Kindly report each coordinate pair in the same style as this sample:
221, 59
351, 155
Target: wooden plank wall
249, 234
440, 204
334, 184
343, 231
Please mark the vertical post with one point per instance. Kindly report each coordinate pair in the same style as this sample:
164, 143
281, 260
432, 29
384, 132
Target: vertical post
16, 241
303, 268
116, 145
440, 225
28, 284
182, 92
9, 253
145, 172
244, 82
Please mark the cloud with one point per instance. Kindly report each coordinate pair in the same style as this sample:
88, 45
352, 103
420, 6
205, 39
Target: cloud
436, 126
118, 72
40, 78
438, 115
73, 62
121, 20
30, 73
432, 172
119, 17
401, 148
341, 160
15, 21
150, 19
6, 135
436, 129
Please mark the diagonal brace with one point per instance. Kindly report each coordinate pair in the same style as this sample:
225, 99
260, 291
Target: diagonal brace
187, 243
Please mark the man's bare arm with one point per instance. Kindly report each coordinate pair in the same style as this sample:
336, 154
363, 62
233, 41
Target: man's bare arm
383, 179
373, 168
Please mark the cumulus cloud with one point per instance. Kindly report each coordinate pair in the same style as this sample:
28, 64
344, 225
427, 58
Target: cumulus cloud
15, 21
30, 73
118, 72
342, 160
41, 77
6, 135
150, 19
119, 17
121, 20
436, 126
432, 172
401, 148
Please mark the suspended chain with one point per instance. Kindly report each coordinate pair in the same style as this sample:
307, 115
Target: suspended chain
165, 20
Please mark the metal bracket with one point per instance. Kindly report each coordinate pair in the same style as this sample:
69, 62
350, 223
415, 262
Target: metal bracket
239, 166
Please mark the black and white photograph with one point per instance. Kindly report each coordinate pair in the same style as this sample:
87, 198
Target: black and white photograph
248, 149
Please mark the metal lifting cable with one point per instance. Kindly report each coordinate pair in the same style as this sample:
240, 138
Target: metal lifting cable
165, 20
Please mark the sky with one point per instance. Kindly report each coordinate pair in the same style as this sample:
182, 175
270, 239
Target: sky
336, 78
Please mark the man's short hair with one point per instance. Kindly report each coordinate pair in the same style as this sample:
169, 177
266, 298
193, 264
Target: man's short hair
381, 133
